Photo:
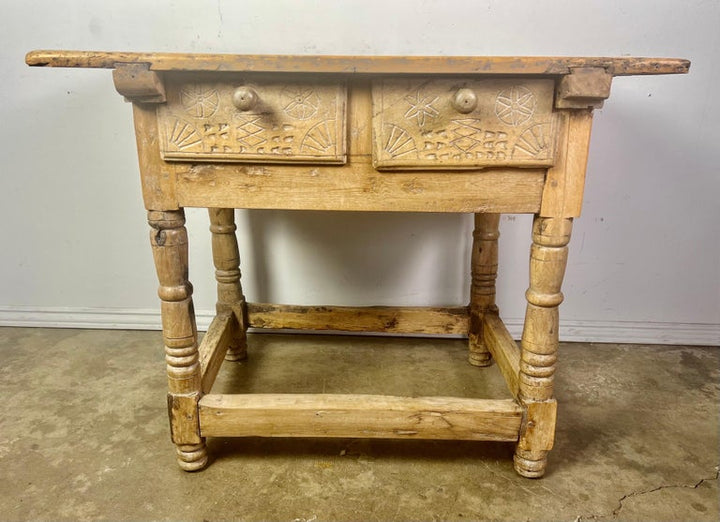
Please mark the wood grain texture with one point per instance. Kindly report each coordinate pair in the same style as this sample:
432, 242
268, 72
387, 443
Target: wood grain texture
359, 416
385, 319
168, 239
156, 176
583, 88
230, 297
483, 273
137, 83
538, 429
214, 346
539, 344
481, 65
565, 185
504, 350
357, 186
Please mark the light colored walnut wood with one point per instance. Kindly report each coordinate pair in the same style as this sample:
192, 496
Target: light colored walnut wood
364, 416
138, 83
565, 184
168, 239
253, 118
481, 118
481, 65
387, 319
503, 349
360, 119
416, 124
226, 258
538, 429
357, 187
158, 179
214, 346
583, 88
484, 266
548, 257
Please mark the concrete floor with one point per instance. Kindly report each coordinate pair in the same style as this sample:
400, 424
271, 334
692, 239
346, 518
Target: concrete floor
84, 435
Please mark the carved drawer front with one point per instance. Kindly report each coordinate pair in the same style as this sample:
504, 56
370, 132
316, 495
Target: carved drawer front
253, 119
460, 123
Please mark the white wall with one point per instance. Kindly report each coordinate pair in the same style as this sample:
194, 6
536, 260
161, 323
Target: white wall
645, 258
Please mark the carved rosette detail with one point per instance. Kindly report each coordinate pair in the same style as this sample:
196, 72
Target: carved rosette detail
199, 101
300, 102
515, 106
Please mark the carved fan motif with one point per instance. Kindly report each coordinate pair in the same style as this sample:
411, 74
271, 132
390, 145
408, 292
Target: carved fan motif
398, 142
183, 135
320, 138
535, 142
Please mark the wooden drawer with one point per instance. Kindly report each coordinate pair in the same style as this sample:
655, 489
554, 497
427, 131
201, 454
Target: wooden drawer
253, 119
451, 123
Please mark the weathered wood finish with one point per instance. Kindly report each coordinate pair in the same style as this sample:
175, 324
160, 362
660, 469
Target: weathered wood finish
482, 135
214, 347
565, 182
363, 416
357, 187
137, 82
168, 239
504, 350
480, 65
226, 258
382, 319
462, 123
483, 273
253, 119
548, 257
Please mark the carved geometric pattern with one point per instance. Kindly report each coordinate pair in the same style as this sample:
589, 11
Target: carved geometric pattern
515, 105
291, 121
399, 143
421, 108
199, 101
319, 139
183, 135
535, 142
301, 102
249, 132
439, 135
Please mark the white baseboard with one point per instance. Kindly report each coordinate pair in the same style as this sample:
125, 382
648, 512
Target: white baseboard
700, 334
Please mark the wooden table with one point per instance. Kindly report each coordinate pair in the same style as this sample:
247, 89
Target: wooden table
408, 134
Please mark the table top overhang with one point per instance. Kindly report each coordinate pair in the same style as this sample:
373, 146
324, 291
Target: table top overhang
475, 65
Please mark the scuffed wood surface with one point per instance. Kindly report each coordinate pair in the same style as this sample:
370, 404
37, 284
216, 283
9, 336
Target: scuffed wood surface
363, 416
503, 349
357, 186
527, 65
386, 319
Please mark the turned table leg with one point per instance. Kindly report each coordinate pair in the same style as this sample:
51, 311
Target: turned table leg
226, 258
484, 265
548, 257
168, 238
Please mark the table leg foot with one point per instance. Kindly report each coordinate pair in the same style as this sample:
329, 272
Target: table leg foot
236, 353
192, 457
530, 464
479, 357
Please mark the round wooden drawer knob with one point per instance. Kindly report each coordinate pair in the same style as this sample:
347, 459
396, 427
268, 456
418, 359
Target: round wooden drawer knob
244, 98
465, 100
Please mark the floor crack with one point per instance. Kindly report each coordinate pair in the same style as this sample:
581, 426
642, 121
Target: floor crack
616, 512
